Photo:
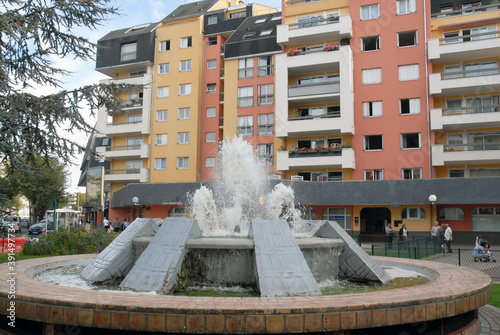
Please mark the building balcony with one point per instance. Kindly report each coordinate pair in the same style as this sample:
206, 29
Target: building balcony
124, 151
465, 117
127, 128
463, 82
140, 175
475, 46
314, 93
300, 159
459, 154
315, 125
331, 28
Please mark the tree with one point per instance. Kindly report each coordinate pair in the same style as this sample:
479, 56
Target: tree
32, 34
42, 187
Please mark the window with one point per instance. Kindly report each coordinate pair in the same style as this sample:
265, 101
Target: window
163, 68
184, 113
370, 12
249, 34
211, 64
178, 212
484, 104
134, 99
456, 173
451, 213
164, 45
260, 21
408, 72
160, 163
128, 51
245, 96
237, 15
371, 76
212, 40
407, 39
245, 68
212, 19
136, 118
245, 126
415, 173
265, 66
137, 73
405, 7
184, 89
133, 166
484, 68
266, 94
371, 43
409, 106
211, 88
266, 153
486, 219
374, 174
186, 42
373, 142
210, 137
372, 108
210, 162
410, 141
161, 139
183, 138
162, 115
211, 112
335, 176
163, 92
266, 32
266, 124
413, 213
182, 163
134, 143
185, 65
341, 215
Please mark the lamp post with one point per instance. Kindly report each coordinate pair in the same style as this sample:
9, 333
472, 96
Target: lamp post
432, 199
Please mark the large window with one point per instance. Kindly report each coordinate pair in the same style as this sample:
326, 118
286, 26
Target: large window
405, 7
371, 76
266, 94
408, 72
184, 89
371, 43
266, 124
186, 42
210, 162
409, 106
266, 153
212, 19
163, 68
486, 219
341, 215
211, 88
182, 163
185, 65
163, 92
410, 141
211, 64
162, 115
128, 52
183, 138
415, 173
160, 163
245, 96
372, 108
245, 125
374, 174
210, 137
370, 12
451, 213
211, 112
373, 142
265, 66
245, 68
164, 45
184, 113
161, 139
413, 213
407, 39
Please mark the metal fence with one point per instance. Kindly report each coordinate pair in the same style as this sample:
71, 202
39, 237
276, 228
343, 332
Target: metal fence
430, 249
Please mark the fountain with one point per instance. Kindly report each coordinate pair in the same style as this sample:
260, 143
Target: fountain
243, 234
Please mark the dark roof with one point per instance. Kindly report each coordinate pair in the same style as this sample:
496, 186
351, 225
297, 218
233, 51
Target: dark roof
190, 9
479, 191
130, 31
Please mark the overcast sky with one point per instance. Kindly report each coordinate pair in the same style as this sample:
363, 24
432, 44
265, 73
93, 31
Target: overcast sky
133, 12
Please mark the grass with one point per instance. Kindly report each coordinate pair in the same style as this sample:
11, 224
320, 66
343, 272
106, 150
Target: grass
495, 298
18, 257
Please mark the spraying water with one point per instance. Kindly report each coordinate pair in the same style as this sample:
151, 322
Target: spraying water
242, 193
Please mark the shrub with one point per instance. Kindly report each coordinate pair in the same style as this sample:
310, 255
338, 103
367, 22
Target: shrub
69, 242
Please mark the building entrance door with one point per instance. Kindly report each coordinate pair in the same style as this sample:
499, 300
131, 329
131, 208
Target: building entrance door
373, 220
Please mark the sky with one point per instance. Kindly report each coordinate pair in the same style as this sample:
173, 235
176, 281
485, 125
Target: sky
133, 12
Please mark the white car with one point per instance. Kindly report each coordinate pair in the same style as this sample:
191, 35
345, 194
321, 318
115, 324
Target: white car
13, 222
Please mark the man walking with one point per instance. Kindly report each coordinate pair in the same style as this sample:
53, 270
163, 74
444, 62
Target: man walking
117, 226
105, 223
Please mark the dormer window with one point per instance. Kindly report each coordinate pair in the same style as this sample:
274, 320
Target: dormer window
128, 51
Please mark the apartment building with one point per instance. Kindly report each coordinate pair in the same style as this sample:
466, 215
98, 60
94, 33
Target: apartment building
374, 112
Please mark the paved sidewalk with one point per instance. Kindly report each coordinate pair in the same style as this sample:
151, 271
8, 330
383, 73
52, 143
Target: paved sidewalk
489, 318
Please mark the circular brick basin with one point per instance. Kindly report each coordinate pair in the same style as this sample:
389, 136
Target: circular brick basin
449, 302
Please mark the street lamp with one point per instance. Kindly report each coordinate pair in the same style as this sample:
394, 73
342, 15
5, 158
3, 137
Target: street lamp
135, 200
432, 199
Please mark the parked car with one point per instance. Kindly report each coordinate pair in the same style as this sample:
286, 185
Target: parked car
14, 222
25, 222
40, 228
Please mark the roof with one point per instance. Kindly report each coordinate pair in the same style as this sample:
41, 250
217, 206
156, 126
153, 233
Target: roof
256, 25
129, 31
196, 8
479, 191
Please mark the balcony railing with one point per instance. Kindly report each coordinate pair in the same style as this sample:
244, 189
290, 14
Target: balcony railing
326, 48
124, 123
310, 117
313, 89
312, 23
315, 152
472, 147
124, 147
466, 11
123, 171
471, 110
469, 38
470, 73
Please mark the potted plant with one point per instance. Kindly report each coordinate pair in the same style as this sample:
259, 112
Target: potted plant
302, 150
323, 149
344, 41
312, 150
293, 52
334, 147
331, 47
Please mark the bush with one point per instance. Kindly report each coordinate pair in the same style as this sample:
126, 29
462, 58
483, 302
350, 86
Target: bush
69, 242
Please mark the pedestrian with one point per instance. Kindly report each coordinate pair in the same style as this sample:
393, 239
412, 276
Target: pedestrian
403, 233
437, 233
448, 237
389, 235
126, 223
434, 229
105, 224
117, 226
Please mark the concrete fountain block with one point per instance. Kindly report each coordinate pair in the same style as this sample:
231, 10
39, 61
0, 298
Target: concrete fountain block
117, 258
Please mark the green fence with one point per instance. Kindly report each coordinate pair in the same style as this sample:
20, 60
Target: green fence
416, 248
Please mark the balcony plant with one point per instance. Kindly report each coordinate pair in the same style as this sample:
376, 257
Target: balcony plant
293, 52
312, 150
302, 150
335, 147
331, 47
324, 149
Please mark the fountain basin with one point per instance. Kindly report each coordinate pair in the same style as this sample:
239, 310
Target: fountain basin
453, 294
